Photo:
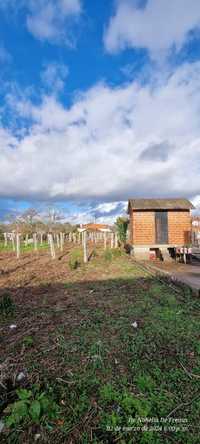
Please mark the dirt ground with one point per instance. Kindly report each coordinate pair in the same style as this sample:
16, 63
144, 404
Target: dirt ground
189, 274
107, 342
33, 268
44, 292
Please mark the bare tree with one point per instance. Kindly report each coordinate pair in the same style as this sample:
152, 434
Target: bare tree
30, 216
53, 217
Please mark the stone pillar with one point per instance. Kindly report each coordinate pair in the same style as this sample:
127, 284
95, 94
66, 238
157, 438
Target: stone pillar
18, 245
85, 256
35, 241
52, 248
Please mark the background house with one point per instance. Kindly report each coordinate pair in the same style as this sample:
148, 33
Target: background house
97, 227
196, 230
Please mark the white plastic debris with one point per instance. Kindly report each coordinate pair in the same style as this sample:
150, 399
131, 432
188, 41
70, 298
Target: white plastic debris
37, 436
13, 326
134, 324
1, 426
20, 376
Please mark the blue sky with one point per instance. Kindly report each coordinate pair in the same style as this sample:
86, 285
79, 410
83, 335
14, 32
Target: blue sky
99, 102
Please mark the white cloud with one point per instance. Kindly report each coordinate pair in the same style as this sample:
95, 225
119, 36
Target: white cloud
102, 147
157, 27
51, 20
106, 212
70, 6
54, 76
109, 207
196, 203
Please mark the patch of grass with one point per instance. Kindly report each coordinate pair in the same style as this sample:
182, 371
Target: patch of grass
23, 248
111, 253
75, 259
97, 354
30, 247
109, 376
28, 341
116, 252
108, 255
7, 306
4, 247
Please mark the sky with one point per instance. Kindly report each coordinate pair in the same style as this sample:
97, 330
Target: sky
99, 102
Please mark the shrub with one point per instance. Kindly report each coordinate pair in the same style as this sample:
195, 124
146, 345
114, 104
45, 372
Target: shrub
122, 227
110, 254
75, 260
7, 305
73, 264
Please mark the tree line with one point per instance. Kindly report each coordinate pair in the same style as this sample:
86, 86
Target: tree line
47, 221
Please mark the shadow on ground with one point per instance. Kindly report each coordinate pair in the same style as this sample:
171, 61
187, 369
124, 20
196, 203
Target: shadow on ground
110, 351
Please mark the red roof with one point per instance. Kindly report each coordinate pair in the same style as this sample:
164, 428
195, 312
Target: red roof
95, 226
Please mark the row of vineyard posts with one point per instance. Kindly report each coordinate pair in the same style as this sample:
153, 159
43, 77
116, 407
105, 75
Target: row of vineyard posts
56, 241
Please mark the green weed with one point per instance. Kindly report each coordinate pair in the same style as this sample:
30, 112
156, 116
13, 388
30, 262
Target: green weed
32, 406
7, 305
108, 255
28, 341
75, 259
116, 252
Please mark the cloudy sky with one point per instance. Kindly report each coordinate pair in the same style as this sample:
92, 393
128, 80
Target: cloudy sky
99, 102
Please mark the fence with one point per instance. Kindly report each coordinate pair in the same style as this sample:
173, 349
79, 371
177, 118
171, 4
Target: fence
56, 241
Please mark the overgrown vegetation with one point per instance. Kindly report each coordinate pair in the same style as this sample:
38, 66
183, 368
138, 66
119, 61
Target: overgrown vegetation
111, 253
32, 406
75, 259
115, 354
108, 254
122, 226
7, 306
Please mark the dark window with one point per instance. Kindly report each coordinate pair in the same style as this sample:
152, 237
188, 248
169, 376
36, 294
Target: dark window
161, 223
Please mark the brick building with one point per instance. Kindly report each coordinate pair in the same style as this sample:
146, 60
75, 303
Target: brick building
159, 225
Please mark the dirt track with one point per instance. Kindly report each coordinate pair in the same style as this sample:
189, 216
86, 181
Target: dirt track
189, 274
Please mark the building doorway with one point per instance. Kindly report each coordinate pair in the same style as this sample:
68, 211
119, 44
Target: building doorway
161, 224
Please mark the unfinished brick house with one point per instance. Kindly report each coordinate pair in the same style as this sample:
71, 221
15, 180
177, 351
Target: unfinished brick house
159, 225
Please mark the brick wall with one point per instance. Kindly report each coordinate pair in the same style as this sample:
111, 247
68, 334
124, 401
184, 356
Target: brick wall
179, 223
131, 229
142, 227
